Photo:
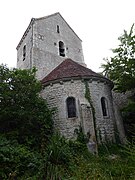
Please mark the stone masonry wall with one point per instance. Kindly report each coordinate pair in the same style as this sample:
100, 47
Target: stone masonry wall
56, 96
121, 100
42, 45
26, 64
104, 124
46, 44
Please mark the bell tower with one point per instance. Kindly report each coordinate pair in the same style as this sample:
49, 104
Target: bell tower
46, 43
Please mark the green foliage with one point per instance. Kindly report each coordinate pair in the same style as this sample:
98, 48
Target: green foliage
121, 67
112, 163
24, 114
17, 160
128, 114
130, 149
25, 124
28, 148
58, 151
118, 160
63, 159
81, 137
79, 145
57, 157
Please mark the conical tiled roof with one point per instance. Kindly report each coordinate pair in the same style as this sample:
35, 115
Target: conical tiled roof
69, 69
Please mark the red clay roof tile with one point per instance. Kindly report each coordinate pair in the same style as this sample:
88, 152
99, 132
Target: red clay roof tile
68, 69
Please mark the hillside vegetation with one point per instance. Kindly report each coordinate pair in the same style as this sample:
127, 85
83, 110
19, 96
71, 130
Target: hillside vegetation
31, 150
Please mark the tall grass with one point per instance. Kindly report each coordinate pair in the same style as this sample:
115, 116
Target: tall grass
71, 160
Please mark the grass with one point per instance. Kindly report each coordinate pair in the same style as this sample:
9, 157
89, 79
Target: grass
112, 163
68, 160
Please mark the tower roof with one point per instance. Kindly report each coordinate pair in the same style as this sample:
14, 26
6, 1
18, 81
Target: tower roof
69, 69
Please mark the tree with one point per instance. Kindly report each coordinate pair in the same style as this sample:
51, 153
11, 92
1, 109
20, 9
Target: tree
24, 115
121, 70
121, 67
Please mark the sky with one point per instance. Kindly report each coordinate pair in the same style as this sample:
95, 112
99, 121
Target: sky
98, 23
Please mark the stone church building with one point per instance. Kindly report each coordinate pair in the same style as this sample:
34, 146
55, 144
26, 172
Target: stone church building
81, 97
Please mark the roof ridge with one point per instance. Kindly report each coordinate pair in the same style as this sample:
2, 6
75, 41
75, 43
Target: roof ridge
70, 69
44, 17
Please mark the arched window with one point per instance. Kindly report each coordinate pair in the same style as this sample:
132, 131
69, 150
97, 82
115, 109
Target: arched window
104, 106
71, 107
61, 49
24, 52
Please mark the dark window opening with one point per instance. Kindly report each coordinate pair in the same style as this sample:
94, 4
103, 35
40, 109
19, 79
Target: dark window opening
24, 52
61, 49
104, 106
58, 29
71, 107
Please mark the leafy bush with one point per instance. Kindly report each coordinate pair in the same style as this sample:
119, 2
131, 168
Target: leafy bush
59, 161
128, 114
25, 124
57, 157
120, 68
24, 115
17, 160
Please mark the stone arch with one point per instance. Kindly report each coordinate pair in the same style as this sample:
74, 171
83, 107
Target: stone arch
104, 105
61, 49
71, 107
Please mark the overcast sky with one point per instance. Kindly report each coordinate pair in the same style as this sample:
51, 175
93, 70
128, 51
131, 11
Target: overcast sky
98, 23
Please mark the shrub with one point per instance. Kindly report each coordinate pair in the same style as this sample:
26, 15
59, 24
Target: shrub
17, 160
57, 157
